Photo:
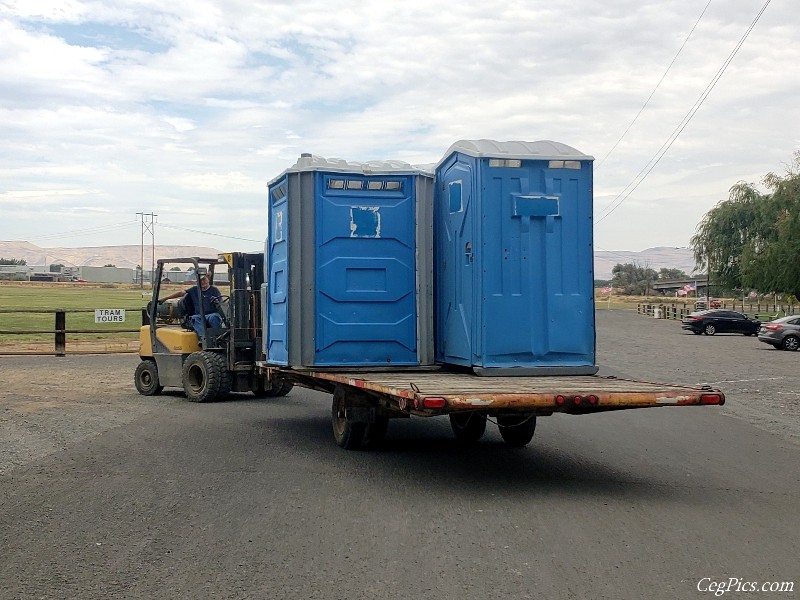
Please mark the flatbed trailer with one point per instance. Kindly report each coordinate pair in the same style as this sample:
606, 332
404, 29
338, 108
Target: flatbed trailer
364, 401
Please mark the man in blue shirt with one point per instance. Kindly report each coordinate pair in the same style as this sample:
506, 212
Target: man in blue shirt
192, 297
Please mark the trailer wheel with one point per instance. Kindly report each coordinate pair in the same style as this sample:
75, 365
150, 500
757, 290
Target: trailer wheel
205, 376
468, 426
146, 378
348, 434
376, 431
280, 388
517, 430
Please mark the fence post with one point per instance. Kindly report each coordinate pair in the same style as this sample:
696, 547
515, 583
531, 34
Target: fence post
61, 336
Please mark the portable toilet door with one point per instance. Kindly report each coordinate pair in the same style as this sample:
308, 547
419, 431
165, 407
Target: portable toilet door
513, 264
349, 265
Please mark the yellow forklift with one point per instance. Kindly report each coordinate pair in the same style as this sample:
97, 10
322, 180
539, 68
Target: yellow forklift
219, 360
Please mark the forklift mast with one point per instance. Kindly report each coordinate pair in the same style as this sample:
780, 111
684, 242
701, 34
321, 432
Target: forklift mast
246, 274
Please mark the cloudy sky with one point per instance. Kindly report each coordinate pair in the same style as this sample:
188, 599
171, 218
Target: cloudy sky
186, 109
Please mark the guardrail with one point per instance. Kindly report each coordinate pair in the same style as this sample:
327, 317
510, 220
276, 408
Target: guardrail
60, 331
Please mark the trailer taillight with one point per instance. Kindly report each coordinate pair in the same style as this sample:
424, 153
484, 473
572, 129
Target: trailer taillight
434, 402
560, 400
592, 399
712, 399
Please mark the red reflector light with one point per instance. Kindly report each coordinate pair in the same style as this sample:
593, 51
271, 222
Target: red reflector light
577, 399
592, 399
559, 399
711, 399
434, 402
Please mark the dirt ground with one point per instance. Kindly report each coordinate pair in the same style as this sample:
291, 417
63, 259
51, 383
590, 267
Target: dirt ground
48, 403
112, 345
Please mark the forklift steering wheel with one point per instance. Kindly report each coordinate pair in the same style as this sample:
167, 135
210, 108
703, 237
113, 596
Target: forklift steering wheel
220, 302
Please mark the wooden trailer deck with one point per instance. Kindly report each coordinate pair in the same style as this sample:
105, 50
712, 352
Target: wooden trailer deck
442, 392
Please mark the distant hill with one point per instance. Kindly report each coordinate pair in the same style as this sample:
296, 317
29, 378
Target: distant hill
655, 258
130, 256
97, 256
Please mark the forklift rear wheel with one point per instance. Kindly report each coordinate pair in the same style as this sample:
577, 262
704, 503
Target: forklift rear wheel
517, 430
146, 378
205, 376
348, 435
468, 426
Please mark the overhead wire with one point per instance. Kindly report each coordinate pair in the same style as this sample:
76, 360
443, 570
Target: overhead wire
230, 237
83, 232
655, 89
651, 164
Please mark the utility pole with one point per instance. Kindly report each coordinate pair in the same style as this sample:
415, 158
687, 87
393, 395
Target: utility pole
148, 225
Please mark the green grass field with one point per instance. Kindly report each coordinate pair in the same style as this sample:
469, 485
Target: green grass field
68, 297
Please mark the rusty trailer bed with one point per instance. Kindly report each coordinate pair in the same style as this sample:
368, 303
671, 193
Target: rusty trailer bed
438, 392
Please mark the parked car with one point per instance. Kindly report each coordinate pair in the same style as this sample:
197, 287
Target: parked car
715, 321
783, 333
703, 304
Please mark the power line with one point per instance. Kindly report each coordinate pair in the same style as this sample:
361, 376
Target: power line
651, 164
83, 232
230, 237
650, 97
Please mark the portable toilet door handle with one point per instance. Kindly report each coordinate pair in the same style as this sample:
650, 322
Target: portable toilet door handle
468, 253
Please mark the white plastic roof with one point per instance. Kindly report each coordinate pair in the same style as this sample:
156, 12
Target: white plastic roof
310, 162
540, 150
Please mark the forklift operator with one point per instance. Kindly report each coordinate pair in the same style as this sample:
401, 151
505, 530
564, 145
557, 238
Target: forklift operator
210, 297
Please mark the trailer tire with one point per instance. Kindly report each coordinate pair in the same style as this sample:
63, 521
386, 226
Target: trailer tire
348, 434
517, 430
146, 378
204, 376
468, 427
376, 431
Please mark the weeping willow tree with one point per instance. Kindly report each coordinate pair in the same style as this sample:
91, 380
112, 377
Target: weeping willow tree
752, 239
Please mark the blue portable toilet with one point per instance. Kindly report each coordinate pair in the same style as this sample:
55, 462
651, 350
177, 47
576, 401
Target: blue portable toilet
349, 265
513, 265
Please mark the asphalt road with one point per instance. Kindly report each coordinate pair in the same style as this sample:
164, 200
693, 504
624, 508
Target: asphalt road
112, 495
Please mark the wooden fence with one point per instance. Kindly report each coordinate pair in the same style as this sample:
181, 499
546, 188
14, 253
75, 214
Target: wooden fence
60, 330
764, 311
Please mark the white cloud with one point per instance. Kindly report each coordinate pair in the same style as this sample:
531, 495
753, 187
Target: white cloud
188, 108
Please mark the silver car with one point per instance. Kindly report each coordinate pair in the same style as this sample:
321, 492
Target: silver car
782, 333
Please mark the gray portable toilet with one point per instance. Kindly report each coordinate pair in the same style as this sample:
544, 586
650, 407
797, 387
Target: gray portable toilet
513, 258
349, 265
